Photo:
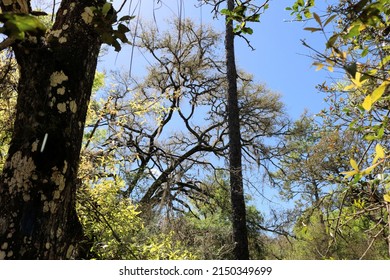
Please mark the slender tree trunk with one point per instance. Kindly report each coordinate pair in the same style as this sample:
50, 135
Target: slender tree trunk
240, 236
38, 185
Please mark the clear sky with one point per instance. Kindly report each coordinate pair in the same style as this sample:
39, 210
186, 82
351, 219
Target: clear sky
279, 60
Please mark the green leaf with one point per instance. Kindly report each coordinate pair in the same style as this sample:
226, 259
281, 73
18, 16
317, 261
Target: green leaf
225, 12
367, 103
348, 174
364, 52
329, 20
378, 92
354, 164
247, 30
386, 197
318, 19
312, 29
384, 61
354, 31
307, 14
106, 8
17, 25
380, 152
332, 40
126, 18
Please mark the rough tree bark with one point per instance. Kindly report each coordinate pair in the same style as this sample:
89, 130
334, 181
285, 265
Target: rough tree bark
240, 235
38, 184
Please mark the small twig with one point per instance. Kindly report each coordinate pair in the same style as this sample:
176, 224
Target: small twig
7, 43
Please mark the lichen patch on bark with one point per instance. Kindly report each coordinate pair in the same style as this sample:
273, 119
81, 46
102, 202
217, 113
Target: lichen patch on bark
57, 78
24, 168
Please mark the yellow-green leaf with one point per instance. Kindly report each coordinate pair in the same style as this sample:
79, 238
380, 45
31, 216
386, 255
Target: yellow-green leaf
380, 152
378, 92
348, 174
367, 103
386, 197
354, 164
319, 65
368, 170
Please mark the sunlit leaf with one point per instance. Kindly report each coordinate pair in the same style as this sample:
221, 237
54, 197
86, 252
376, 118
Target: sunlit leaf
367, 103
384, 61
319, 65
378, 92
368, 170
386, 197
354, 164
354, 31
351, 173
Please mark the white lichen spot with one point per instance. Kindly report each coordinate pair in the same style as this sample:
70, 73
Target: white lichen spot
65, 167
69, 252
47, 245
4, 246
62, 40
26, 197
73, 106
61, 107
72, 5
65, 27
53, 207
46, 207
57, 78
56, 33
43, 197
58, 178
23, 170
56, 194
8, 2
61, 91
10, 254
9, 235
33, 39
87, 15
34, 146
59, 233
2, 255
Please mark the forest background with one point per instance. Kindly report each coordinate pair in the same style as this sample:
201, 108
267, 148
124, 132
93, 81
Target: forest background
153, 182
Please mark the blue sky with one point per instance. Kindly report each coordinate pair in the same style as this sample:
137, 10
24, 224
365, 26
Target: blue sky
279, 60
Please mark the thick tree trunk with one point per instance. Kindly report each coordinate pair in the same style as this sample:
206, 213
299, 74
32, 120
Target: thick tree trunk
240, 236
38, 185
